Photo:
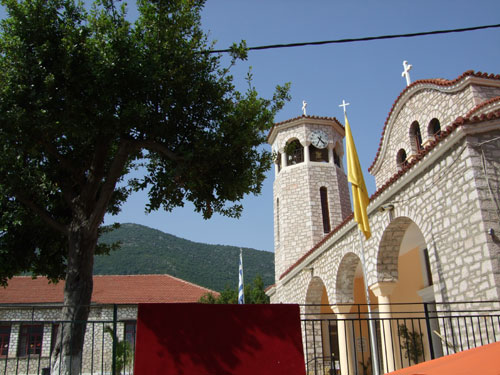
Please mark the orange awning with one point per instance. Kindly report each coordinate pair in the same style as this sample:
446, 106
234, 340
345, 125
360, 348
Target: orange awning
483, 360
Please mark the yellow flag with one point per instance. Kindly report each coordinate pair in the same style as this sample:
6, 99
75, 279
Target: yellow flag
360, 198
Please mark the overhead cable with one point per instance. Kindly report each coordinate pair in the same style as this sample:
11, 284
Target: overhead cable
351, 40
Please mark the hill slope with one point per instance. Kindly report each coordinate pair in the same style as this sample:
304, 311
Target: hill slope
149, 251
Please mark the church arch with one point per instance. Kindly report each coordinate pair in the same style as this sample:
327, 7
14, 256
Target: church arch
345, 278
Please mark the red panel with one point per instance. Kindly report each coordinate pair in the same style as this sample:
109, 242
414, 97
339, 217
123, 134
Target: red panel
199, 339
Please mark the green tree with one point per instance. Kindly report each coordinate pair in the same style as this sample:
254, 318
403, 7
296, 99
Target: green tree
85, 97
124, 353
254, 294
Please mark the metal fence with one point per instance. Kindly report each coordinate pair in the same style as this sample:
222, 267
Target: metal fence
27, 342
394, 336
354, 342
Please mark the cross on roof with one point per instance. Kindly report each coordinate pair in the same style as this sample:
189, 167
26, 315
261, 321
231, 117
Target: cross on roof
344, 104
406, 72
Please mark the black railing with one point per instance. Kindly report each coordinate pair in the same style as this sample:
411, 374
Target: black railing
352, 343
35, 355
400, 335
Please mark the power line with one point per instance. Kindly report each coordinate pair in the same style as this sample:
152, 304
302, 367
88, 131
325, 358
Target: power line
351, 40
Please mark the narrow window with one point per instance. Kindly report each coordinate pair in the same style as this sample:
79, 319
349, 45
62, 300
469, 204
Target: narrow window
278, 219
336, 158
30, 340
401, 158
428, 267
294, 152
324, 209
434, 127
4, 340
416, 136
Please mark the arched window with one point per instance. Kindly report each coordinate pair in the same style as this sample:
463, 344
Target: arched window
336, 158
434, 127
401, 158
294, 152
278, 161
318, 154
324, 209
416, 136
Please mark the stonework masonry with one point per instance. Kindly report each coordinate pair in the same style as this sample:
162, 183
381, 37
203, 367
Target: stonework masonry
451, 194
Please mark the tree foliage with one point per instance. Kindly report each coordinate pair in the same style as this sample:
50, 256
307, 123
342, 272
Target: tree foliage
85, 96
254, 294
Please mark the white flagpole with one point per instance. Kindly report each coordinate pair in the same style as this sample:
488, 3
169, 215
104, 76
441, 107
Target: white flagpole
371, 322
241, 292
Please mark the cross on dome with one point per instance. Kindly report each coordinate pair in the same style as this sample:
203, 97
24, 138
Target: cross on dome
406, 72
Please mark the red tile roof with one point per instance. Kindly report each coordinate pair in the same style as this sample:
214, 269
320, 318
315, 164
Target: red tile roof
129, 289
438, 82
460, 121
305, 117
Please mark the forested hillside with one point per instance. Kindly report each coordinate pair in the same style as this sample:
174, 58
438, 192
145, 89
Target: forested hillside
149, 251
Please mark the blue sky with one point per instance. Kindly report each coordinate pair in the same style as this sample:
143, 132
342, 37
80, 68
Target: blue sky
365, 74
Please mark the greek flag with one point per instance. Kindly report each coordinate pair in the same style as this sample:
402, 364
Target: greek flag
241, 293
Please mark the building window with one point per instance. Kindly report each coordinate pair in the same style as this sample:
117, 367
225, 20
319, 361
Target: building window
318, 154
324, 209
130, 328
4, 340
434, 127
401, 158
416, 136
294, 152
30, 340
278, 161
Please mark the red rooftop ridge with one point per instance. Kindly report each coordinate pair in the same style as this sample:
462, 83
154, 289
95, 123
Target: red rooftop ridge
117, 289
439, 82
305, 117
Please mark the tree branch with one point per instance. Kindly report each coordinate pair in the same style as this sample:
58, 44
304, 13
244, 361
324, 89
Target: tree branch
115, 172
42, 213
158, 147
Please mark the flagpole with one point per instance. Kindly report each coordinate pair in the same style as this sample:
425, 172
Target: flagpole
241, 291
360, 203
371, 322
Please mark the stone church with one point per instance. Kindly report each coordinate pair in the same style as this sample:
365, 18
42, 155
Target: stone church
434, 218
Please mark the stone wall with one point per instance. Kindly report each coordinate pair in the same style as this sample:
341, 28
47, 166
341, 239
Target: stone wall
448, 200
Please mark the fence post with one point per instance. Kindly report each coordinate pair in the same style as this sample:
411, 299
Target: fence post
429, 332
115, 338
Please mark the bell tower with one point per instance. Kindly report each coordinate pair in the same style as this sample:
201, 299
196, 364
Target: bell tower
311, 195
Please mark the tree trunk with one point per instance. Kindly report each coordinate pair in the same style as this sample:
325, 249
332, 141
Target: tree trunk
67, 355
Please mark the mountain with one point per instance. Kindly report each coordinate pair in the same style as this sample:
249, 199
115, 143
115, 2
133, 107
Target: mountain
149, 251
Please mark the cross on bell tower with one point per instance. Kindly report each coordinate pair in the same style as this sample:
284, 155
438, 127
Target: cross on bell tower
311, 195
